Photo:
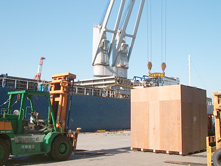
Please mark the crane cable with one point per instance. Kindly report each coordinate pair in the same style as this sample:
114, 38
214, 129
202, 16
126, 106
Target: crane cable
105, 11
161, 31
149, 32
149, 36
124, 15
163, 35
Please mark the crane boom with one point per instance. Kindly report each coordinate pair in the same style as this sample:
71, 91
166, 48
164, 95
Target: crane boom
38, 75
118, 49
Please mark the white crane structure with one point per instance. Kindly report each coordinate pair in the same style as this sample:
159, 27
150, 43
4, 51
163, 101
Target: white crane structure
118, 49
38, 75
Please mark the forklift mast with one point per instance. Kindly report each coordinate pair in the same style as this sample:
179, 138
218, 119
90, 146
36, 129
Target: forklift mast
216, 113
214, 142
60, 88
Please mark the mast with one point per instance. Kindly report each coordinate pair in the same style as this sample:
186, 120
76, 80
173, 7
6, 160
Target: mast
189, 70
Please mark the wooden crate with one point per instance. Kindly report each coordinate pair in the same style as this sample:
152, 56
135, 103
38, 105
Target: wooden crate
170, 118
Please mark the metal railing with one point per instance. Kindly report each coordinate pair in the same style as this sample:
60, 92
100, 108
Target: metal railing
17, 83
34, 85
99, 92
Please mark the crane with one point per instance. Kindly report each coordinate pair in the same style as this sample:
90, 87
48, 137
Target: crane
120, 51
163, 40
38, 75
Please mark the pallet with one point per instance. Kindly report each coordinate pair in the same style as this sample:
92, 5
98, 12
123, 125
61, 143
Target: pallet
156, 151
165, 151
185, 163
199, 151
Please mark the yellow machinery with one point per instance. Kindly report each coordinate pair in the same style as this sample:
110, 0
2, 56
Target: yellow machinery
214, 143
60, 87
163, 66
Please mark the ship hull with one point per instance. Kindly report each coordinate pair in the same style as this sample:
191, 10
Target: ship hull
90, 113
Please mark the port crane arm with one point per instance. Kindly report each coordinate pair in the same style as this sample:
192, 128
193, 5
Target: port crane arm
103, 29
118, 50
116, 26
124, 34
136, 27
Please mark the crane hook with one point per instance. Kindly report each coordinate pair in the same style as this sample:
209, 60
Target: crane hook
163, 66
149, 65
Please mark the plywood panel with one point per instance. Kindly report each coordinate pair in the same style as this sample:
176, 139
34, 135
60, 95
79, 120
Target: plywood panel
139, 126
170, 125
194, 119
171, 118
172, 92
187, 130
203, 129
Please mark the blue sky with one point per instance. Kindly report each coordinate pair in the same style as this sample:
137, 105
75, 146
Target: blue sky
62, 32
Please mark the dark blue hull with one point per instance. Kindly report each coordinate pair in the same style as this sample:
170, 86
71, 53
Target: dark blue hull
90, 113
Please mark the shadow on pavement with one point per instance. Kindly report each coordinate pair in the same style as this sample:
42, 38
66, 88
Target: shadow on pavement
44, 159
102, 152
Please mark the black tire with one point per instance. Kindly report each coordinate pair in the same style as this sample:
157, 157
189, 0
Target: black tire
217, 158
61, 148
4, 151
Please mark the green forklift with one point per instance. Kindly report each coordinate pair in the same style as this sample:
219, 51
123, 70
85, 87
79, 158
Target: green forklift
23, 132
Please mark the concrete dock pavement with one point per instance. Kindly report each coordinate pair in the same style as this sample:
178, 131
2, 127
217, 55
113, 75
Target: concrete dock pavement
110, 149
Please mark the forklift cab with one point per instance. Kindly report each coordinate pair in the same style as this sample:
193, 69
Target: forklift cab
22, 114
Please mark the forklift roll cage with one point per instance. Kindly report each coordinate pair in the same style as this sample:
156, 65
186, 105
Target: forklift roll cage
25, 94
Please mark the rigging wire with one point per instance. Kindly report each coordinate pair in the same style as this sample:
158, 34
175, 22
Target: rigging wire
165, 33
105, 11
124, 15
199, 74
163, 30
150, 31
149, 39
184, 68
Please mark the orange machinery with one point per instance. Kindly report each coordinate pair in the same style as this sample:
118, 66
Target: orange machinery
60, 88
214, 143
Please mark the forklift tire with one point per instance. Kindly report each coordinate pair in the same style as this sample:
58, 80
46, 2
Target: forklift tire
217, 158
61, 148
4, 151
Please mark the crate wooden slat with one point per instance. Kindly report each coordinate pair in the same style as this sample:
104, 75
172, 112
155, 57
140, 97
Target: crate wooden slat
169, 118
